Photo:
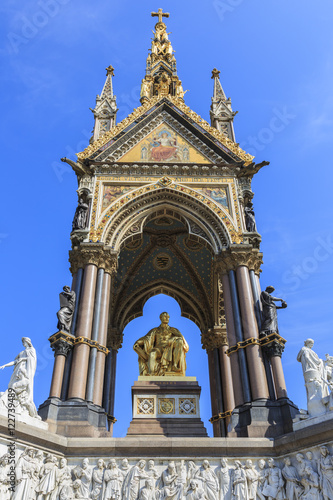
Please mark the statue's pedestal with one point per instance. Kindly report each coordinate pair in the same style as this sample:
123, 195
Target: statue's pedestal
166, 406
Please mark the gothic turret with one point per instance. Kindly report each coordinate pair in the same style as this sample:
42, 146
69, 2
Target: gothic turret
161, 69
221, 114
106, 108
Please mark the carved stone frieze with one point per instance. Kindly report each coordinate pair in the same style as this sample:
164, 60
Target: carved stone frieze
231, 259
214, 338
93, 253
302, 475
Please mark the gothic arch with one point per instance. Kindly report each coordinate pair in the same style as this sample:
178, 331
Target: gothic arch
190, 307
183, 203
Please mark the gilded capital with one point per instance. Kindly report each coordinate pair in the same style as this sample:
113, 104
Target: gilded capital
93, 253
115, 339
214, 338
230, 259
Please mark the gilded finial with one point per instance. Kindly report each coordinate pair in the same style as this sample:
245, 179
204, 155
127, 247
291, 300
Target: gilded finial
110, 70
215, 73
160, 14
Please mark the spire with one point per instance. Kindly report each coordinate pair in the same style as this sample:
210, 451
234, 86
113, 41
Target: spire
106, 107
161, 69
221, 114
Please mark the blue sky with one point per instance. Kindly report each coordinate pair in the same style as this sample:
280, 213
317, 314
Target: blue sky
276, 65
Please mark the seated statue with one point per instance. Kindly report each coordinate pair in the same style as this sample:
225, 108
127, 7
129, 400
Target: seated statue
162, 351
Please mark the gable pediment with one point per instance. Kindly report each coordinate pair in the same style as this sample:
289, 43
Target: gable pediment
182, 126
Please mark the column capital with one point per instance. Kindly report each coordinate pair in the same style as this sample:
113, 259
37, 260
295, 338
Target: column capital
273, 345
229, 260
61, 343
214, 338
97, 254
115, 339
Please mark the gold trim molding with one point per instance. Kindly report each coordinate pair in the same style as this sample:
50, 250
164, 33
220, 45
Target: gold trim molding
153, 101
91, 343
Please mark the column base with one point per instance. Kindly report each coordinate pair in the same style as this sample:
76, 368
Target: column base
263, 418
74, 418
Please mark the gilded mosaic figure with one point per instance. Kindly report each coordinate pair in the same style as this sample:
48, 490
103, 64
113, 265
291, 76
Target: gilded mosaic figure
162, 351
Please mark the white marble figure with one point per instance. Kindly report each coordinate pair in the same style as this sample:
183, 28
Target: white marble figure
37, 464
131, 482
325, 470
21, 382
314, 373
125, 467
223, 475
191, 471
301, 464
262, 480
273, 489
64, 482
292, 479
195, 492
48, 478
82, 479
24, 470
171, 488
147, 492
252, 477
239, 483
4, 477
113, 480
310, 461
209, 480
97, 480
311, 485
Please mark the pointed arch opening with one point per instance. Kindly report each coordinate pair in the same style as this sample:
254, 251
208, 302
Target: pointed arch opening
127, 362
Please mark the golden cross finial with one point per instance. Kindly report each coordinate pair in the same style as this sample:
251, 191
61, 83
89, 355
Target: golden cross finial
215, 73
160, 14
109, 70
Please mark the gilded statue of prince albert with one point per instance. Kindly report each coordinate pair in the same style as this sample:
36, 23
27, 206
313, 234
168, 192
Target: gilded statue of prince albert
162, 351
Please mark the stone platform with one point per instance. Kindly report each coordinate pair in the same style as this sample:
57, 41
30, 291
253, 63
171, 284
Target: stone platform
166, 406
